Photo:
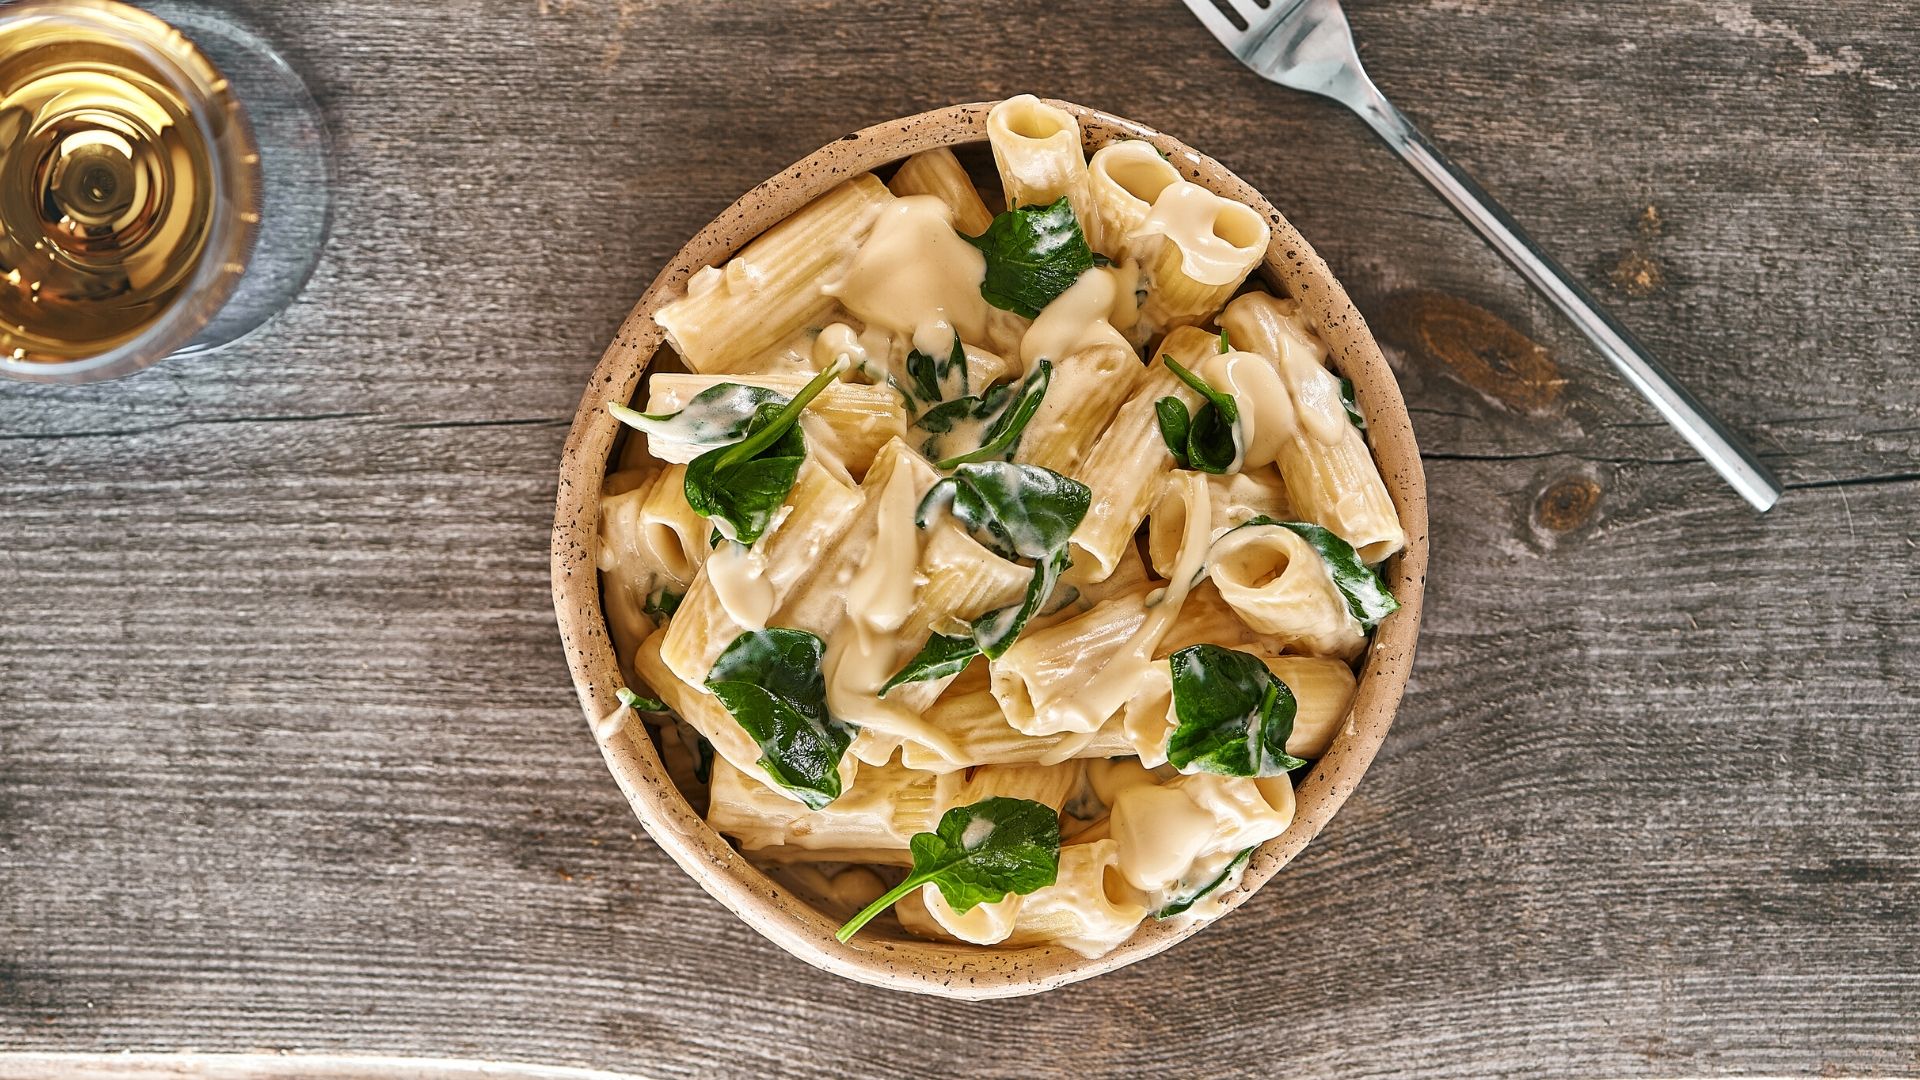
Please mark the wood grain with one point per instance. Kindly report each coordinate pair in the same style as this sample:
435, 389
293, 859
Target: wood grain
288, 755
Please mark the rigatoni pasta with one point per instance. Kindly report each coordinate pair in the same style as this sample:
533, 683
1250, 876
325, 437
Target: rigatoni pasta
983, 611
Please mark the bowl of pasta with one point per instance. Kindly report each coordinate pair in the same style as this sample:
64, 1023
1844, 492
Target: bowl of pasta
990, 550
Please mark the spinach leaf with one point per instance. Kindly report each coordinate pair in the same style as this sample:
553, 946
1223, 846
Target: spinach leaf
1034, 253
1347, 402
933, 378
1232, 715
1226, 343
1213, 438
740, 487
770, 682
941, 656
1181, 904
1020, 512
1367, 596
1011, 409
977, 855
637, 703
1174, 427
716, 416
662, 603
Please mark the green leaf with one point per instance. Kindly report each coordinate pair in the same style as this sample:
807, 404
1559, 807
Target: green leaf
662, 603
941, 656
770, 681
936, 380
1184, 902
977, 855
744, 484
1021, 512
996, 631
1347, 402
1226, 343
716, 416
1018, 510
637, 703
1174, 426
1233, 716
1001, 438
1367, 596
1034, 254
1213, 438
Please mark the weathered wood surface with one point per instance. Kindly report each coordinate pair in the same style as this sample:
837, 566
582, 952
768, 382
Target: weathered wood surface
288, 754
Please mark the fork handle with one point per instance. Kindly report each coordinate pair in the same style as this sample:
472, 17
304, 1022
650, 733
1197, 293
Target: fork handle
1722, 449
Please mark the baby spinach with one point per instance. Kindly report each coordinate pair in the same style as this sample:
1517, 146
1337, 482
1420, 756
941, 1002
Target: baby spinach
1021, 512
1186, 901
1034, 253
743, 484
1367, 596
1009, 407
977, 855
1212, 440
1347, 403
1226, 343
933, 379
662, 603
770, 681
715, 416
1171, 412
1233, 715
637, 703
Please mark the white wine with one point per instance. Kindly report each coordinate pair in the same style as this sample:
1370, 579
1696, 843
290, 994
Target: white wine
129, 183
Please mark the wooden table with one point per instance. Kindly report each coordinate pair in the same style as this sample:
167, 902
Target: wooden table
289, 758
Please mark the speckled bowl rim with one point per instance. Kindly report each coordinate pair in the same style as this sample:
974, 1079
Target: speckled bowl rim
965, 972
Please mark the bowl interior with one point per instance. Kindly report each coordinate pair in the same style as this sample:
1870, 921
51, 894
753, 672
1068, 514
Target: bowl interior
882, 954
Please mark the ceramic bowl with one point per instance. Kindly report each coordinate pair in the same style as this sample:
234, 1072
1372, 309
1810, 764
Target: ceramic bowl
876, 956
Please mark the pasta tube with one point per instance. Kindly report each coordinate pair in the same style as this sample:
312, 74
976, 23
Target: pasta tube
1090, 908
1279, 585
1123, 179
1329, 472
847, 422
877, 816
1322, 691
1236, 498
1036, 147
1082, 395
938, 173
1129, 460
772, 287
1207, 245
758, 580
706, 715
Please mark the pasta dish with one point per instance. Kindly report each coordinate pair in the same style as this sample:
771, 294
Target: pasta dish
996, 559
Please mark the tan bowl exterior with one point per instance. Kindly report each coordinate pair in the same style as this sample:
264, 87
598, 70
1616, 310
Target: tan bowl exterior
959, 971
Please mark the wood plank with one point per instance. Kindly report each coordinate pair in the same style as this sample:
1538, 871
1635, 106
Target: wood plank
288, 755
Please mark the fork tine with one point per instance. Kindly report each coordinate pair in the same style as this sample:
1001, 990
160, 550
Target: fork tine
1211, 18
1250, 10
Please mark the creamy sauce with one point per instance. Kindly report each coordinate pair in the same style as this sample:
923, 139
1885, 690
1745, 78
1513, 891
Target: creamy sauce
1093, 310
863, 651
917, 277
1219, 239
986, 924
1267, 418
738, 574
1315, 390
1105, 689
1126, 178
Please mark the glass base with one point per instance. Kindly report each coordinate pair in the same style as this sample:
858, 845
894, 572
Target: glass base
296, 197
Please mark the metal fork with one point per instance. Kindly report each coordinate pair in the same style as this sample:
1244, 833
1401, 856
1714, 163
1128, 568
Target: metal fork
1305, 44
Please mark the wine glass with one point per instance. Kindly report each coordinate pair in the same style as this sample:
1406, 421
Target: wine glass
164, 185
